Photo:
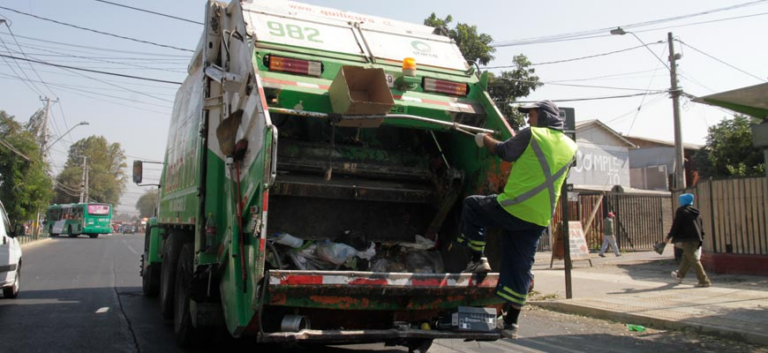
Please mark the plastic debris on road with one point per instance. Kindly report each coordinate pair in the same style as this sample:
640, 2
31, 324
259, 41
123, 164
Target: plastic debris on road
636, 328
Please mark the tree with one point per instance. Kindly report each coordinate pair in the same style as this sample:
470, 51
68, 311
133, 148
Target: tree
511, 85
475, 47
729, 151
106, 175
25, 188
504, 88
146, 204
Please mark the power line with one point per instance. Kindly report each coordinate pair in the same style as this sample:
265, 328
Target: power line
93, 71
100, 49
598, 98
96, 31
124, 105
114, 81
573, 59
573, 85
594, 33
91, 60
702, 22
720, 61
596, 78
152, 12
104, 95
13, 149
31, 87
75, 87
629, 131
25, 55
68, 88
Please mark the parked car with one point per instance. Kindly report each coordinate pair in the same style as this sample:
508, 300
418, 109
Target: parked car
10, 256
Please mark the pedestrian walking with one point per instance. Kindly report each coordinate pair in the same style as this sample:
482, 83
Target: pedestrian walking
608, 238
542, 154
687, 229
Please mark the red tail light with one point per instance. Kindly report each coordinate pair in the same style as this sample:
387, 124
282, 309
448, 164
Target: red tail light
446, 87
294, 66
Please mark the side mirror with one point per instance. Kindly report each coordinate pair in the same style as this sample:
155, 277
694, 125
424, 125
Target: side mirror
19, 230
138, 170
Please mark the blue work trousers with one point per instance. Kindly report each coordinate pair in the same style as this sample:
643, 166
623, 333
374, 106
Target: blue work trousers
520, 241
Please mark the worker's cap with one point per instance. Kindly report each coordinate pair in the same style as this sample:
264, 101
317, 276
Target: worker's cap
546, 106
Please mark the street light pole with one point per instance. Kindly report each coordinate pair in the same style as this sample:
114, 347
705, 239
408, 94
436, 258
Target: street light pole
675, 91
45, 148
679, 160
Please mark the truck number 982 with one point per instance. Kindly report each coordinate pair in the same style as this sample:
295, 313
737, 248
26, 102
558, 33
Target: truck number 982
293, 31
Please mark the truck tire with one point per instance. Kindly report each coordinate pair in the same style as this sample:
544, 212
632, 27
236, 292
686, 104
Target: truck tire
171, 249
185, 333
13, 291
93, 236
150, 273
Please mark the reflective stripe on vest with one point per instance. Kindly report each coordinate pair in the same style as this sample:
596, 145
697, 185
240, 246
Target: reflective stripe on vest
521, 188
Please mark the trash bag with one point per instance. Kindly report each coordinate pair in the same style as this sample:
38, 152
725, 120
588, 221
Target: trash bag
288, 240
335, 253
380, 264
659, 247
307, 259
369, 253
420, 244
424, 262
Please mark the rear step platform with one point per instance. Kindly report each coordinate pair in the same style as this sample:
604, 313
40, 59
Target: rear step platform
381, 290
358, 336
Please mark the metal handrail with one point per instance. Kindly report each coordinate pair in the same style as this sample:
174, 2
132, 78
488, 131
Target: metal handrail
467, 129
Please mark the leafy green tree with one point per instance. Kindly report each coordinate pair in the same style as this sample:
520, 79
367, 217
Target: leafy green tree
504, 88
146, 204
729, 150
475, 47
25, 188
106, 171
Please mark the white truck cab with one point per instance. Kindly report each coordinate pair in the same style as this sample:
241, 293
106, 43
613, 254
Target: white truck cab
10, 256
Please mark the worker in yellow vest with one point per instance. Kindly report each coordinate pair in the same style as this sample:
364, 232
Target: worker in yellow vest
541, 154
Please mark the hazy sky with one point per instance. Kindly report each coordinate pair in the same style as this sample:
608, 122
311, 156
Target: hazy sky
723, 50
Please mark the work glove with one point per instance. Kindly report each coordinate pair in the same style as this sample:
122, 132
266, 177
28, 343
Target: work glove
479, 139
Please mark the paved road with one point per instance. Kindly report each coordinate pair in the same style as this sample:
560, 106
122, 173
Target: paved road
84, 295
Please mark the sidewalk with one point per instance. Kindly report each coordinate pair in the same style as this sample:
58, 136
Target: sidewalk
637, 288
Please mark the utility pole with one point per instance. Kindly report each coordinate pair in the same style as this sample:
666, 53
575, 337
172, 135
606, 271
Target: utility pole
44, 132
84, 181
679, 159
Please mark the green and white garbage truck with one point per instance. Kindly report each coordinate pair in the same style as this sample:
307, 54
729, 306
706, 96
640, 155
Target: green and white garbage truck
348, 136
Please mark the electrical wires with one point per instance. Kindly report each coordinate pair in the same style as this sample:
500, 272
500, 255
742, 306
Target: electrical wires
93, 71
603, 32
97, 31
720, 61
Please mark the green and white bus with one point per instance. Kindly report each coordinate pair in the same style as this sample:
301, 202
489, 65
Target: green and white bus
74, 219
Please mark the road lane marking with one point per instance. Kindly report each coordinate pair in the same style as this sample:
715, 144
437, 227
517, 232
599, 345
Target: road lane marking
130, 248
102, 310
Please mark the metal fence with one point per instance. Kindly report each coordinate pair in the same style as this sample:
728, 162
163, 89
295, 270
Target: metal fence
735, 214
641, 220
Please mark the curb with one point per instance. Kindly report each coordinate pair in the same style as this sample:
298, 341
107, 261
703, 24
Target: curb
36, 243
711, 330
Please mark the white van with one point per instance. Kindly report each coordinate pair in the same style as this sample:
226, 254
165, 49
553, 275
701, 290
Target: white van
10, 256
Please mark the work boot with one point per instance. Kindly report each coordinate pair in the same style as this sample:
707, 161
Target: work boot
509, 331
675, 276
480, 266
601, 255
705, 284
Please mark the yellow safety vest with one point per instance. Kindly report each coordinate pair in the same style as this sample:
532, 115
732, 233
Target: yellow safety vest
532, 189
